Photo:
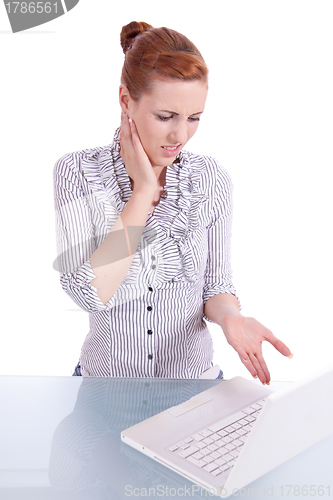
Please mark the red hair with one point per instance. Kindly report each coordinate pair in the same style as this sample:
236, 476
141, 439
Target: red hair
152, 53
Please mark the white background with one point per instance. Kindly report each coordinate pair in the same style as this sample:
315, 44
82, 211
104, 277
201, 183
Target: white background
268, 120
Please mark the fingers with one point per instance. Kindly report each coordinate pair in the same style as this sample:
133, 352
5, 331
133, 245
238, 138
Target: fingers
249, 366
129, 136
256, 365
125, 130
135, 158
135, 135
279, 345
261, 367
246, 335
129, 139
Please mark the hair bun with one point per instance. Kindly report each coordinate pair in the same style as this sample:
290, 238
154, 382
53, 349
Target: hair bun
130, 31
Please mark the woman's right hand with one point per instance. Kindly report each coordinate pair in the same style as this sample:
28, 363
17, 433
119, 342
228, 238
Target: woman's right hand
137, 163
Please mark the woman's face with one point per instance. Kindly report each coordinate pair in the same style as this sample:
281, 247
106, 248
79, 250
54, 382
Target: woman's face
167, 117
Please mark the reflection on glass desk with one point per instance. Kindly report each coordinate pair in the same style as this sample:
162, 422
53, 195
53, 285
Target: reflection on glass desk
60, 439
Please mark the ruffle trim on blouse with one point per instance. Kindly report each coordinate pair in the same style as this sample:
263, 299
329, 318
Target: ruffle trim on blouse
181, 214
168, 231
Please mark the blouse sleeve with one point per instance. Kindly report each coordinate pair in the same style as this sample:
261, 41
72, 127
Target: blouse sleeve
75, 232
218, 273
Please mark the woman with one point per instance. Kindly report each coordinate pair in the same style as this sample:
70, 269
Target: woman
144, 227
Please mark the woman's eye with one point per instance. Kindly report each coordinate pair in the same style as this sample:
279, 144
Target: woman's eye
164, 118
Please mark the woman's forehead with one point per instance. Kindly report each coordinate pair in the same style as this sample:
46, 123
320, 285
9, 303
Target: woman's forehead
176, 92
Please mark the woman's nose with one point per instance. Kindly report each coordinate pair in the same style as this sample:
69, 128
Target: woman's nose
178, 133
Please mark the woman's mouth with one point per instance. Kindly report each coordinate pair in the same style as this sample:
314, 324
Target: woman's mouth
171, 150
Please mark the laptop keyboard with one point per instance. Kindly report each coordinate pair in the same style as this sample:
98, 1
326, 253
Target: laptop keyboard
215, 448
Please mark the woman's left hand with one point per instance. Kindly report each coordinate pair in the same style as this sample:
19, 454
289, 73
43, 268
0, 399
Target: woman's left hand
246, 335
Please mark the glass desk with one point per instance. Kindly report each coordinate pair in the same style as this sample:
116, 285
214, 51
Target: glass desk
60, 439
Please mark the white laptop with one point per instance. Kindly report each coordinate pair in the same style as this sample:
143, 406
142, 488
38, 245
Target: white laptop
226, 437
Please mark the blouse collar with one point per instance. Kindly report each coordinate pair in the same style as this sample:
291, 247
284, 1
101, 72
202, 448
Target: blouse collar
180, 158
113, 175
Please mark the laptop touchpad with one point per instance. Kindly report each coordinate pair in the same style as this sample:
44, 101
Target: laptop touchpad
189, 405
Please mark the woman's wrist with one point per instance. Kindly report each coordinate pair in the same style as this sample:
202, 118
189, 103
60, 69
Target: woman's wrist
221, 307
145, 191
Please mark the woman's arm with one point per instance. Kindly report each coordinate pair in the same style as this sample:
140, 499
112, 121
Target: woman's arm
112, 259
244, 334
79, 244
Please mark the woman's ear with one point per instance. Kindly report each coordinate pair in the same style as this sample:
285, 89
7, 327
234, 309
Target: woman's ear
124, 98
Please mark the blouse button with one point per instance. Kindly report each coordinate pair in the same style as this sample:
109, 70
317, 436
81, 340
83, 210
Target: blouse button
150, 289
153, 266
150, 356
153, 257
149, 308
149, 332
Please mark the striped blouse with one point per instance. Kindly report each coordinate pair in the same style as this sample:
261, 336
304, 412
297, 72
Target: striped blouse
154, 325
